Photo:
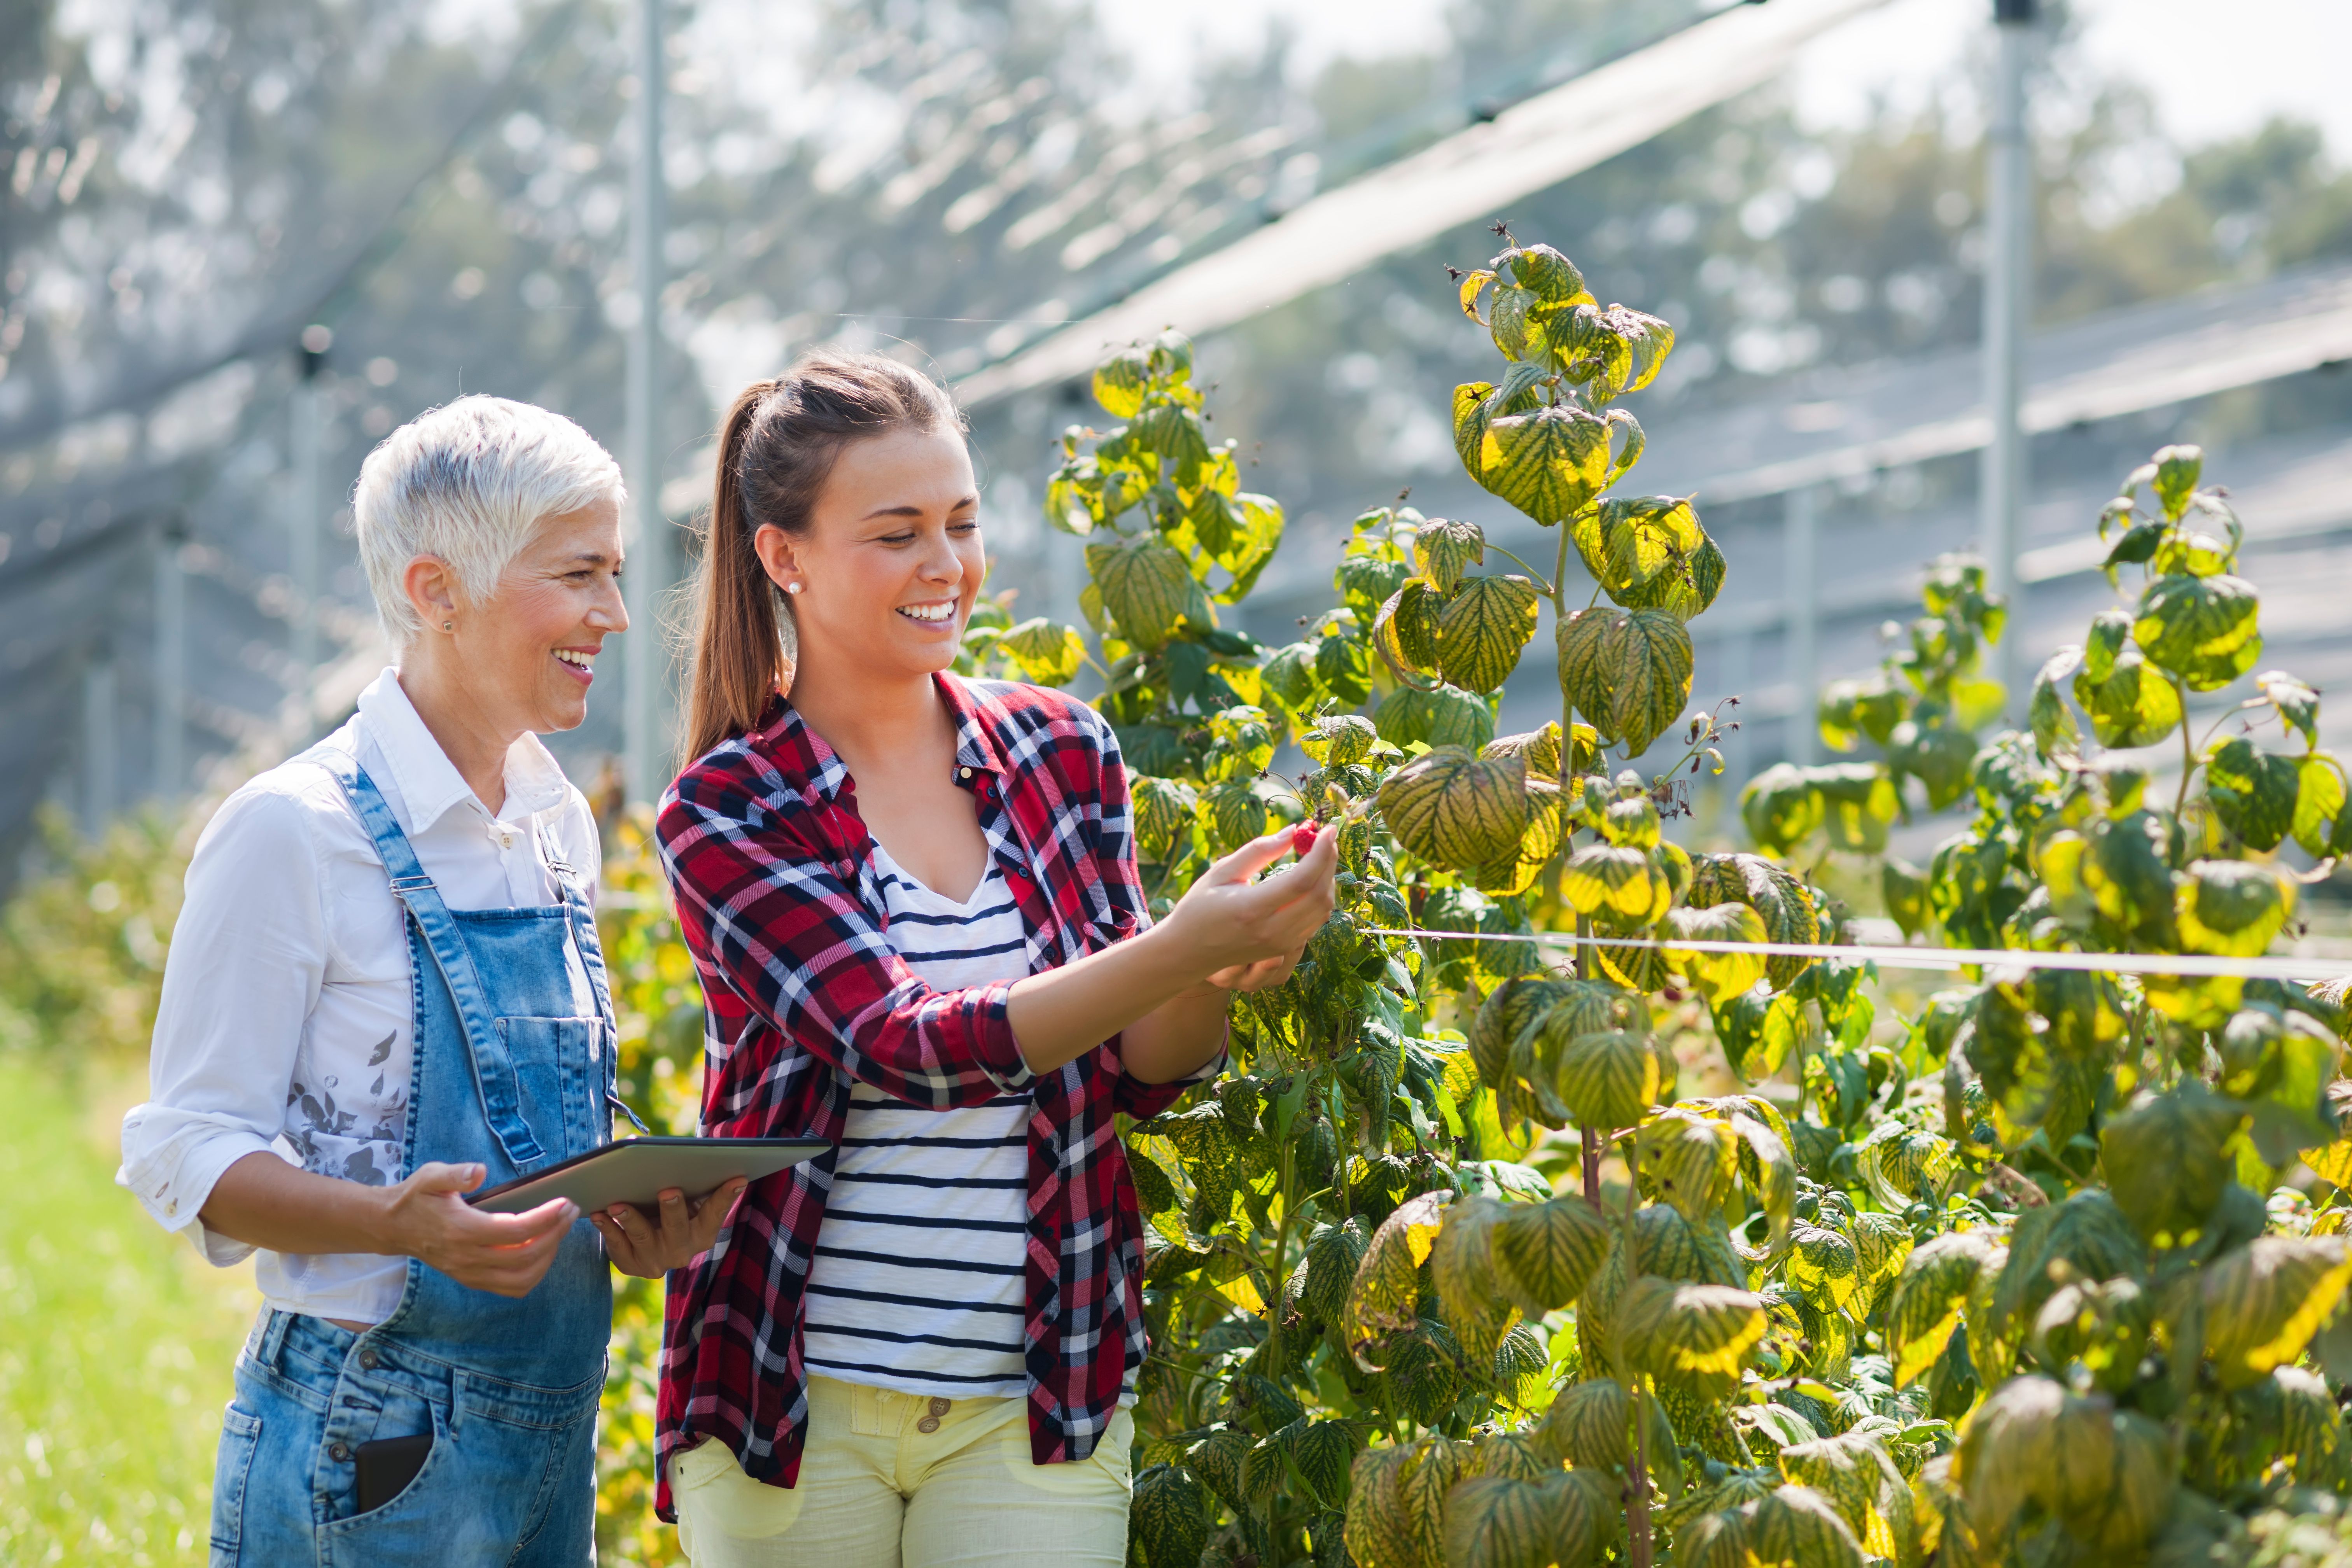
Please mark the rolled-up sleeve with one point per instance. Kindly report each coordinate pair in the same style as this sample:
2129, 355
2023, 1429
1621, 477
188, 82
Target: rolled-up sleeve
1131, 914
248, 954
775, 923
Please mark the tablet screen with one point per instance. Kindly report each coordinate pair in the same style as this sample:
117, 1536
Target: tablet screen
637, 1170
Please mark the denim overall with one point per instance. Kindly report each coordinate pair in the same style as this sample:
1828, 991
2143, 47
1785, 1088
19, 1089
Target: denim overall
513, 1070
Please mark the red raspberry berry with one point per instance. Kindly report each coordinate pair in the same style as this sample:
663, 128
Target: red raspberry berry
1302, 837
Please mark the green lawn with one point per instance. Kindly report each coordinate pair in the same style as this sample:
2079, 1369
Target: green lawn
115, 1349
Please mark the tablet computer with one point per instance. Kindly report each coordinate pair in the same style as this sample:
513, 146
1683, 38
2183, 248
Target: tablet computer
638, 1170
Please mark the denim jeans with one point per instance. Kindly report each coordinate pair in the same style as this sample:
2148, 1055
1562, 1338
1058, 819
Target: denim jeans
511, 1477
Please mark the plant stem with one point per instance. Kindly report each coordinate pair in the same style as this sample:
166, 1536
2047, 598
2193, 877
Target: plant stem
1637, 1490
2187, 751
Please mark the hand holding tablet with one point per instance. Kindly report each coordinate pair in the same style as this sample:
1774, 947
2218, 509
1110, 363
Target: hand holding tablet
657, 1202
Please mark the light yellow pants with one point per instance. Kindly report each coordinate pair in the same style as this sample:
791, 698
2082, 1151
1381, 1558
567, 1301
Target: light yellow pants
877, 1490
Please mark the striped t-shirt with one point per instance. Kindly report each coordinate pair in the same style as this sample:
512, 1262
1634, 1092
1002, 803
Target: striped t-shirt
919, 1282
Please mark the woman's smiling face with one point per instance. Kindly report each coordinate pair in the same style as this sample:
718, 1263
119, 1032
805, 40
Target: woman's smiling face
527, 654
891, 561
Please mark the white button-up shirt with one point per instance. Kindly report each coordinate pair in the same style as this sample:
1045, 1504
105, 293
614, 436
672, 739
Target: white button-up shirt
284, 1022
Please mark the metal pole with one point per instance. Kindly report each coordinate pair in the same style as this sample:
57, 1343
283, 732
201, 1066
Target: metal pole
644, 709
2008, 230
98, 751
171, 663
1801, 593
302, 523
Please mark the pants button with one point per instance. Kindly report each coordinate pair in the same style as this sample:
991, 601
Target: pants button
941, 1407
928, 1425
368, 1359
340, 1453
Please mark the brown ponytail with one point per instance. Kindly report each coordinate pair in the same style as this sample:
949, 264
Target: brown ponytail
776, 448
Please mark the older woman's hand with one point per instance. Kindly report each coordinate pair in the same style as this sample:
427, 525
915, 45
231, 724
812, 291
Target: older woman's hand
681, 1231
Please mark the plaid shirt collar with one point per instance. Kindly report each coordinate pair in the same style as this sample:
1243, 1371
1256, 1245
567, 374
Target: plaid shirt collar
786, 736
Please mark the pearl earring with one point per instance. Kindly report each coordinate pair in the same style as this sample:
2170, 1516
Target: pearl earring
791, 587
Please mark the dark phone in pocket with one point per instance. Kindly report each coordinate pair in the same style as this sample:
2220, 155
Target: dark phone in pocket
387, 1466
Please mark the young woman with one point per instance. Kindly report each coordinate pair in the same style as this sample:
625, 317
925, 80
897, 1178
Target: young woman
915, 906
386, 965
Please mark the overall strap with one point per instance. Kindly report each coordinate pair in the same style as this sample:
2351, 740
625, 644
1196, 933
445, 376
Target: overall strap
494, 1069
582, 916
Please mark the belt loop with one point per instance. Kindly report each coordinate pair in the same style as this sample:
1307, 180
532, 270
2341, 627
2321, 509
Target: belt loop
269, 1336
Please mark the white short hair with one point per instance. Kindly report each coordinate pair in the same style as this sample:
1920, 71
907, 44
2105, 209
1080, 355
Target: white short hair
466, 483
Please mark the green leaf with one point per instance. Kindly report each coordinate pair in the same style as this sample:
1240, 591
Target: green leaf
1168, 1512
2052, 722
1611, 1077
1628, 671
2133, 705
1925, 1306
1447, 716
1378, 1529
1454, 809
1938, 756
2297, 704
1386, 1293
1325, 1452
1781, 807
1234, 814
2165, 1159
1163, 808
2265, 1301
1493, 1522
1334, 1252
1649, 552
1147, 588
1547, 462
1627, 887
1688, 1159
1405, 629
1462, 1266
1121, 382
1444, 549
1799, 1527
1592, 1424
2319, 825
1859, 800
1545, 273
1483, 629
1047, 652
1717, 976
1695, 1337
2254, 793
2231, 908
1366, 583
1823, 1267
1904, 889
2175, 480
2203, 629
1546, 1252
1773, 892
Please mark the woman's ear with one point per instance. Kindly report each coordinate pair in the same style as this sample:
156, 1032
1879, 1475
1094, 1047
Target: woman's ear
779, 554
432, 590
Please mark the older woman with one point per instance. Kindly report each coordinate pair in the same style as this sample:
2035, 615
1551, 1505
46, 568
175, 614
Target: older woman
385, 990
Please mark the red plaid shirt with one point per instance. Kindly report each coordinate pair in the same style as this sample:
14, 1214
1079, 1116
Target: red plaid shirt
805, 996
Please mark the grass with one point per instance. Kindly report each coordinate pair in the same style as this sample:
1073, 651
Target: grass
116, 1345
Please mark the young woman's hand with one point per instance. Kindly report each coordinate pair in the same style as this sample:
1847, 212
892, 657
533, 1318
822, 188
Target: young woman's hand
1249, 935
682, 1231
427, 1217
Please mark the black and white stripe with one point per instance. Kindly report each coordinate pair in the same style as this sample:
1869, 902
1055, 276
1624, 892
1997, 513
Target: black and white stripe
919, 1282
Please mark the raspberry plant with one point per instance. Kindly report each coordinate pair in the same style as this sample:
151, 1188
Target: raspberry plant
2138, 1316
